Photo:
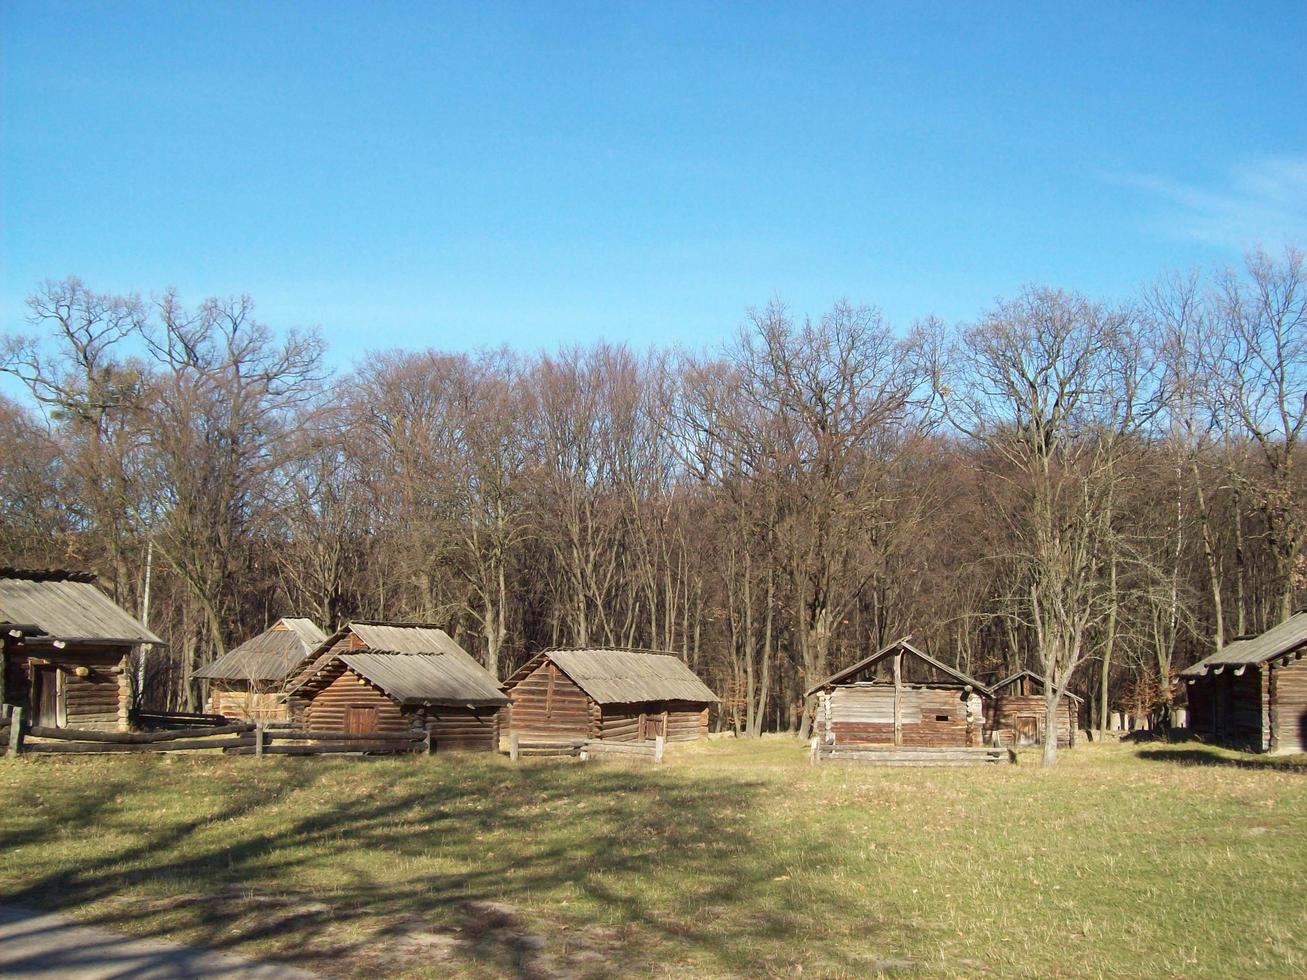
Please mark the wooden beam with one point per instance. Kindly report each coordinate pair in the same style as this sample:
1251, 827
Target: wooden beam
898, 698
15, 733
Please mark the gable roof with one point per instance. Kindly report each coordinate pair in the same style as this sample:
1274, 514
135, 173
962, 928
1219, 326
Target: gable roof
413, 664
613, 676
1278, 640
269, 656
899, 644
62, 605
1029, 675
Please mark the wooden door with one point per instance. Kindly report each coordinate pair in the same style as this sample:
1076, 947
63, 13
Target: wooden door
360, 719
651, 726
46, 700
1027, 730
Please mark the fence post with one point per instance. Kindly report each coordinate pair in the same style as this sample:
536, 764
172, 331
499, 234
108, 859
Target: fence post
258, 739
15, 733
512, 746
812, 751
659, 742
426, 742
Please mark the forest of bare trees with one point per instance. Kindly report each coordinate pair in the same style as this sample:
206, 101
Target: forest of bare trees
1102, 492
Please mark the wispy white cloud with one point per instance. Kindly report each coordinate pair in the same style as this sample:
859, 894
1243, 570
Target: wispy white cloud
1262, 201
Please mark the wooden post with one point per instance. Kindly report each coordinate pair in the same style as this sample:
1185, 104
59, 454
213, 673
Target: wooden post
15, 733
659, 742
898, 698
512, 746
258, 740
812, 751
426, 742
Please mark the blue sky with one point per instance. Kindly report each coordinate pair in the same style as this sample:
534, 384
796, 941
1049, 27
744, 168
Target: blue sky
545, 173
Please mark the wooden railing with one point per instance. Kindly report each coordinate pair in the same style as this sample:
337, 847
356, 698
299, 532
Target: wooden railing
242, 738
650, 750
910, 755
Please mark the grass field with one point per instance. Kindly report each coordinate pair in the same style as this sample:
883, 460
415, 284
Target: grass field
732, 859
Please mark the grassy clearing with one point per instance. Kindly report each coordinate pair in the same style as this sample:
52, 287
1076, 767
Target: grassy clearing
733, 859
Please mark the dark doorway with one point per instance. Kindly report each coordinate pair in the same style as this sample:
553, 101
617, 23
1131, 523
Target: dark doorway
46, 701
1027, 730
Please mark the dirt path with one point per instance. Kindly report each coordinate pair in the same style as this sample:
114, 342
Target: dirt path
44, 945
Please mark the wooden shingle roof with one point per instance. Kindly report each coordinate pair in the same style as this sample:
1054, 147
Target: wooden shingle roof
61, 605
413, 664
903, 644
270, 656
1288, 637
611, 676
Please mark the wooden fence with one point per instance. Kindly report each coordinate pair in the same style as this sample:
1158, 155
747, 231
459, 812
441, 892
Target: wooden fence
650, 751
242, 738
901, 755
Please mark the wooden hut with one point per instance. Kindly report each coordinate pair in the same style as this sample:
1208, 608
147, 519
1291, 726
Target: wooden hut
395, 678
67, 650
246, 682
620, 695
900, 696
1253, 693
1016, 713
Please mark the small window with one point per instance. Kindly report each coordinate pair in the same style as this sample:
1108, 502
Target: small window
941, 717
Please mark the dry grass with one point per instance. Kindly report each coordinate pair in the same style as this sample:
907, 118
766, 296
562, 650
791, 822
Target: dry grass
733, 859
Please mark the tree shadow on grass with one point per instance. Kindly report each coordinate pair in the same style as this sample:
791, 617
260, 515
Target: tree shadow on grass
440, 867
1211, 756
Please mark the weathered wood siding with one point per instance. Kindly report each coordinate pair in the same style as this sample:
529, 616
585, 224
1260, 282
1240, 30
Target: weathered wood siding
863, 713
235, 699
328, 705
547, 702
461, 729
1231, 709
682, 721
1287, 695
99, 701
1005, 709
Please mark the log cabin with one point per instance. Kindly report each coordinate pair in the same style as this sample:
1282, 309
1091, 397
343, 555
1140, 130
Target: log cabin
900, 696
1252, 694
395, 678
66, 655
247, 681
618, 695
1016, 713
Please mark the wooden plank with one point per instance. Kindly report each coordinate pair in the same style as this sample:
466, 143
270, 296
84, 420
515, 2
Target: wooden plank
136, 738
108, 747
15, 733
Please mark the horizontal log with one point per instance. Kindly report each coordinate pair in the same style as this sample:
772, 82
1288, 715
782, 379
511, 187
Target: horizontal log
306, 735
333, 748
620, 748
101, 747
135, 738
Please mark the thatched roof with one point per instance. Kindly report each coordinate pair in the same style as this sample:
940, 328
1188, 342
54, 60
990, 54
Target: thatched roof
50, 604
611, 676
270, 656
413, 664
1277, 641
902, 645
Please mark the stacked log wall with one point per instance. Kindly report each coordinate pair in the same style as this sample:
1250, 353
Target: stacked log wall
461, 728
234, 699
328, 705
1287, 692
1005, 709
547, 702
864, 714
686, 721
98, 702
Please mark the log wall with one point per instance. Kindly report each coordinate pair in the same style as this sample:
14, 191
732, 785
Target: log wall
234, 699
327, 705
547, 702
1287, 694
863, 714
1232, 709
683, 721
97, 702
462, 729
1004, 709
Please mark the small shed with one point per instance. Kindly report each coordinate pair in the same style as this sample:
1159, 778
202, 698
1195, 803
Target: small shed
67, 649
900, 695
246, 682
1252, 694
1016, 714
619, 695
395, 678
